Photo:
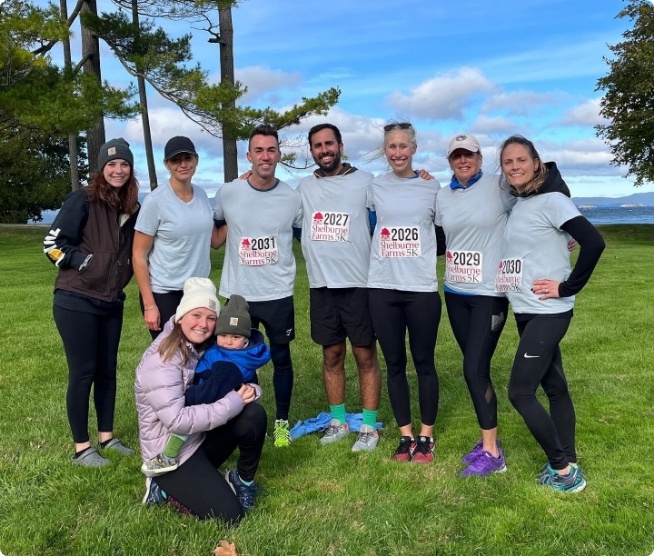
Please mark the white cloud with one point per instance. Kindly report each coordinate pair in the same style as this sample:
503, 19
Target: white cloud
518, 103
585, 114
444, 96
260, 80
492, 126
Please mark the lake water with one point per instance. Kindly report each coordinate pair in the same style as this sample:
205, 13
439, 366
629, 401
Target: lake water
619, 215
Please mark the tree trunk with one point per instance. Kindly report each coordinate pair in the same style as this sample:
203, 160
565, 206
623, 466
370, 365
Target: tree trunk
230, 154
143, 103
91, 54
72, 139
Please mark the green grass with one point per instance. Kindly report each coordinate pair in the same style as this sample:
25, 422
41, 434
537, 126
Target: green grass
328, 500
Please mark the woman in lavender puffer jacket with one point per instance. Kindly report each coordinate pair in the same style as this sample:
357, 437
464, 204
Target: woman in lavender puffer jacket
214, 430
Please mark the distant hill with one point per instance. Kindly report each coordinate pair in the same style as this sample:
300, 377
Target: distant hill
644, 199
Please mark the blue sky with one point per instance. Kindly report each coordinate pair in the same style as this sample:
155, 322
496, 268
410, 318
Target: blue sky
487, 68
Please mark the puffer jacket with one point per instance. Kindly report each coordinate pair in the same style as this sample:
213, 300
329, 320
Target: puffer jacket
159, 389
253, 356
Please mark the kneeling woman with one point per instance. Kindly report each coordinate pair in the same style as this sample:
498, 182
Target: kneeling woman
535, 273
214, 430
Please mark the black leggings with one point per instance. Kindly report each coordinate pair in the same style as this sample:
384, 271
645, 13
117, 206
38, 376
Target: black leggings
538, 362
167, 304
280, 355
394, 312
477, 322
91, 346
198, 487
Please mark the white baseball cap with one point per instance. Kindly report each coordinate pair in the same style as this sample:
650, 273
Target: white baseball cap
467, 142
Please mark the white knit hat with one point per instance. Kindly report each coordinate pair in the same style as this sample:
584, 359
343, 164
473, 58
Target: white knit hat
198, 292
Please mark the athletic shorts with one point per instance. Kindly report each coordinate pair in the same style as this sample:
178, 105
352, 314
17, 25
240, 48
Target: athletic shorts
340, 313
277, 317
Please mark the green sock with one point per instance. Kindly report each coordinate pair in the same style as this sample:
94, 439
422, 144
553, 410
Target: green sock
369, 417
338, 412
174, 445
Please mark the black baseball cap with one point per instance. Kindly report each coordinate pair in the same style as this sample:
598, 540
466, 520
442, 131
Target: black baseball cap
178, 145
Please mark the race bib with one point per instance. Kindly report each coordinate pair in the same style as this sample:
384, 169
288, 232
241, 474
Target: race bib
463, 266
330, 226
399, 241
509, 276
257, 251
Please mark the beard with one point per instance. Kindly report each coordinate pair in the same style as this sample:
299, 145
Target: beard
335, 163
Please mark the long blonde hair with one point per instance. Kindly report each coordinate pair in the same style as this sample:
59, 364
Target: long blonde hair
176, 343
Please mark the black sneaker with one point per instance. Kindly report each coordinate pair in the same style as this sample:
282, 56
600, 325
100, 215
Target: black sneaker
424, 452
405, 450
154, 495
246, 494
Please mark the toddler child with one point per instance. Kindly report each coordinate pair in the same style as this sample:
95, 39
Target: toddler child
234, 359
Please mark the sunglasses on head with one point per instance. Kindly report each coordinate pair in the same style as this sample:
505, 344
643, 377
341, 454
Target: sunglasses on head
401, 125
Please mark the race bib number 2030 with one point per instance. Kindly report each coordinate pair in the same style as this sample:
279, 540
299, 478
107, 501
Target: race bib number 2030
509, 276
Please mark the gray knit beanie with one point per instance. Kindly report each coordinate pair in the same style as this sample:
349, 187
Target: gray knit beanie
235, 317
114, 149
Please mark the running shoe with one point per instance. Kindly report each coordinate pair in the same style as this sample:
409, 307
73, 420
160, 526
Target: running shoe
367, 439
245, 493
158, 465
570, 483
154, 494
281, 434
424, 451
476, 451
335, 431
485, 464
404, 451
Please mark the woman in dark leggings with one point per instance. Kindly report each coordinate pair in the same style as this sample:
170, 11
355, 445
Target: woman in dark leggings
473, 211
536, 274
403, 289
214, 430
90, 242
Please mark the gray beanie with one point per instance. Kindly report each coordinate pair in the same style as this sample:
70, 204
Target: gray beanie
235, 318
113, 149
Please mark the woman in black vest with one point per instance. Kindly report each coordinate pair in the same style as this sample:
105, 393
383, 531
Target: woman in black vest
90, 242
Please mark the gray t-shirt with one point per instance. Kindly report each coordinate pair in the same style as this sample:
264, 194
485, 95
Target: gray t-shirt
473, 220
336, 229
536, 247
182, 237
259, 262
403, 251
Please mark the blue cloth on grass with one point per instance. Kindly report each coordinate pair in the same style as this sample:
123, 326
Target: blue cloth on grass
322, 420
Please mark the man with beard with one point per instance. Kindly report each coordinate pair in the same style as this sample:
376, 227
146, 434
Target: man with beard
336, 246
260, 212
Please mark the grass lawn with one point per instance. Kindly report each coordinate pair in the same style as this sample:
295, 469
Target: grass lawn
328, 500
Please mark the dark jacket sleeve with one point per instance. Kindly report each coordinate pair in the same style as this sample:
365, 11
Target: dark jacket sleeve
223, 377
65, 234
591, 245
440, 241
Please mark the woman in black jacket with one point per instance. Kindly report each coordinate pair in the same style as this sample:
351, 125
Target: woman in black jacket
90, 242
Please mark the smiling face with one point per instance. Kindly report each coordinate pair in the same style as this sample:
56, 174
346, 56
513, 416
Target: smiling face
198, 325
326, 151
264, 155
518, 166
182, 167
117, 172
231, 341
465, 165
399, 150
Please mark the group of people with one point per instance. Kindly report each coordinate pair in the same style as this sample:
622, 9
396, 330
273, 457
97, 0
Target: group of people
370, 246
